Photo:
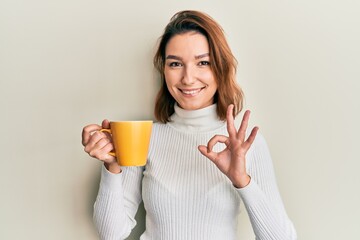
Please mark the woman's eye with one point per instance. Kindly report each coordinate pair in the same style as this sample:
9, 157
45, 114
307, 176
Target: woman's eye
204, 63
175, 64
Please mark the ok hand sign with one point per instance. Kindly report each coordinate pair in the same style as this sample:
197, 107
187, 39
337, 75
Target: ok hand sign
231, 161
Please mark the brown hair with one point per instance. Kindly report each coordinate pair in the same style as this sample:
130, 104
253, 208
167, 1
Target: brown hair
222, 62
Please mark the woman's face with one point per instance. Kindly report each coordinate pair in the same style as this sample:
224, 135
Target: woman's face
187, 71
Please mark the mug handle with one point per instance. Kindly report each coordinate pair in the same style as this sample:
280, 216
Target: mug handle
109, 131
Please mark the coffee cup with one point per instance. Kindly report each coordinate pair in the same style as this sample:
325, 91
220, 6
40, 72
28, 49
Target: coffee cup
131, 141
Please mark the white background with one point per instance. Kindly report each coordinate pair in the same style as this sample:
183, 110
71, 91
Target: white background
65, 64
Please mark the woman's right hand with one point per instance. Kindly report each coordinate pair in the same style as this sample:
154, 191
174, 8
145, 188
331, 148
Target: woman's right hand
98, 145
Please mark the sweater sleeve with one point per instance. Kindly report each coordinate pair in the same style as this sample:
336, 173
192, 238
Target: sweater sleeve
117, 202
262, 198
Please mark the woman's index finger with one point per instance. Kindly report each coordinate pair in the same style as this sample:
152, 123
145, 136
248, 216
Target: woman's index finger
86, 133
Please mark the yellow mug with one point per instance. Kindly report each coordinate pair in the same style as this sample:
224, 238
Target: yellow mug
131, 141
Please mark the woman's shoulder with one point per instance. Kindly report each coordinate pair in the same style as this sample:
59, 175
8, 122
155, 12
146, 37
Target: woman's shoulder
259, 139
159, 128
259, 143
159, 125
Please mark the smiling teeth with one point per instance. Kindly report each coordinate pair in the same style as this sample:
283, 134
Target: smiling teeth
191, 91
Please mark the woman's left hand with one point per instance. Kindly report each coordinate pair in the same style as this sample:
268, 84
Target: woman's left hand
231, 161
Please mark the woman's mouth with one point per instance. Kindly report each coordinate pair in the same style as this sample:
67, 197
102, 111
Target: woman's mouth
191, 92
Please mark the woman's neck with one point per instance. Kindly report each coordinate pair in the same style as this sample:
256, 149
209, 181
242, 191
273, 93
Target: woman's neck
201, 120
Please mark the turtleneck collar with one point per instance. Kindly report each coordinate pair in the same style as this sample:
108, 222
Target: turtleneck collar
201, 120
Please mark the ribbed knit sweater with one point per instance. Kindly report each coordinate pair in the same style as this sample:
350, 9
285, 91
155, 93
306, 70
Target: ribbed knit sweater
185, 195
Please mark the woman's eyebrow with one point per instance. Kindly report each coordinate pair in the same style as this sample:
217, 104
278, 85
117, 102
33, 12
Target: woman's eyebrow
202, 55
179, 58
173, 57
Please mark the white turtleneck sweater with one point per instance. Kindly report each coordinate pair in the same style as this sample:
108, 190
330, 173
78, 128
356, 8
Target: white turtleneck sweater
185, 195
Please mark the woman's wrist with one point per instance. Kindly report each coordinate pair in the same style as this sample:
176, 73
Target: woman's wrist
113, 167
242, 182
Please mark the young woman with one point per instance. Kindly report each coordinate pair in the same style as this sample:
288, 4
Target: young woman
200, 167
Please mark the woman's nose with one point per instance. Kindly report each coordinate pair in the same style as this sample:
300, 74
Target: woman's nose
188, 77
